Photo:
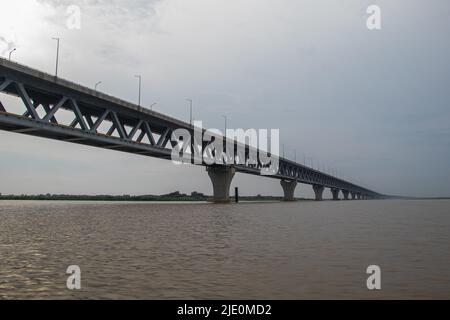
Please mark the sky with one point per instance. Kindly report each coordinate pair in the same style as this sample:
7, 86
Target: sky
373, 105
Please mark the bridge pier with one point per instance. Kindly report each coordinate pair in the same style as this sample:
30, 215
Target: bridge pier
221, 178
288, 189
345, 193
358, 196
335, 193
353, 194
318, 190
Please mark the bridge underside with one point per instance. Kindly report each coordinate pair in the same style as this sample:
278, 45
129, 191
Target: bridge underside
18, 124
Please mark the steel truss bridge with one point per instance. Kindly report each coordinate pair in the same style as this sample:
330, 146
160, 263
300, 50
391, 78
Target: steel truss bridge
58, 109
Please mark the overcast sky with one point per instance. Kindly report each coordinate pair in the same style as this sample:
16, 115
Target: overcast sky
375, 105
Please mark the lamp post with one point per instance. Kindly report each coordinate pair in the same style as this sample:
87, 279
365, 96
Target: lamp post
190, 111
225, 132
57, 55
97, 84
139, 96
151, 106
11, 53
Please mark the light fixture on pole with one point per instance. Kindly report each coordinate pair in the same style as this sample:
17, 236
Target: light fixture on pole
139, 96
151, 106
97, 84
190, 111
225, 132
11, 53
57, 55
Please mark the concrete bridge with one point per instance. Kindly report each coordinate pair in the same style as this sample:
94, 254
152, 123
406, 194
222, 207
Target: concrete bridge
100, 120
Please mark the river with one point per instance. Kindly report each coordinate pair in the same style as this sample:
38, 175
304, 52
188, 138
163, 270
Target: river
298, 250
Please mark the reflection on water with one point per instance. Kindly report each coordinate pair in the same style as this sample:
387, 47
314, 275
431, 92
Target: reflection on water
251, 250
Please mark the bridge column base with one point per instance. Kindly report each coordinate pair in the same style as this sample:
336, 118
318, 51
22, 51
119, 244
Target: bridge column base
353, 195
358, 196
335, 193
345, 193
318, 190
221, 178
288, 189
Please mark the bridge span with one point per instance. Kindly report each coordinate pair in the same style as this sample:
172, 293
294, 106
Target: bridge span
58, 109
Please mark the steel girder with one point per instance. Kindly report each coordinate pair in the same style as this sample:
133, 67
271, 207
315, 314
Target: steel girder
84, 128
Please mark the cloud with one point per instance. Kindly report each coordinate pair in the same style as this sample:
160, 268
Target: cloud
110, 15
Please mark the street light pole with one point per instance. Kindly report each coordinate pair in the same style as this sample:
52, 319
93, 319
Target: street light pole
96, 85
225, 132
57, 55
190, 111
139, 97
151, 106
11, 53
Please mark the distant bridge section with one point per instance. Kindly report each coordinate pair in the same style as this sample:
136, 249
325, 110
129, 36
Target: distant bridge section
58, 109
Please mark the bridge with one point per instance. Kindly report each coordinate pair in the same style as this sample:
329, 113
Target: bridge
95, 119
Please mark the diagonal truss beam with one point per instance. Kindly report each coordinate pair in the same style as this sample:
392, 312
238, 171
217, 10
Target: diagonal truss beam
162, 141
147, 130
118, 125
51, 113
78, 116
5, 84
26, 100
135, 129
111, 130
99, 121
89, 121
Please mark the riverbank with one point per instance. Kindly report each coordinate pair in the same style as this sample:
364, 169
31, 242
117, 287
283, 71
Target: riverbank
175, 196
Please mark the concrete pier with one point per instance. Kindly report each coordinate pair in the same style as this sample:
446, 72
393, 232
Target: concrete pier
345, 193
221, 178
288, 189
335, 193
318, 190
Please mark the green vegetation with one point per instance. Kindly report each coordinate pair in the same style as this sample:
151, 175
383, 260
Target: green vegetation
174, 196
